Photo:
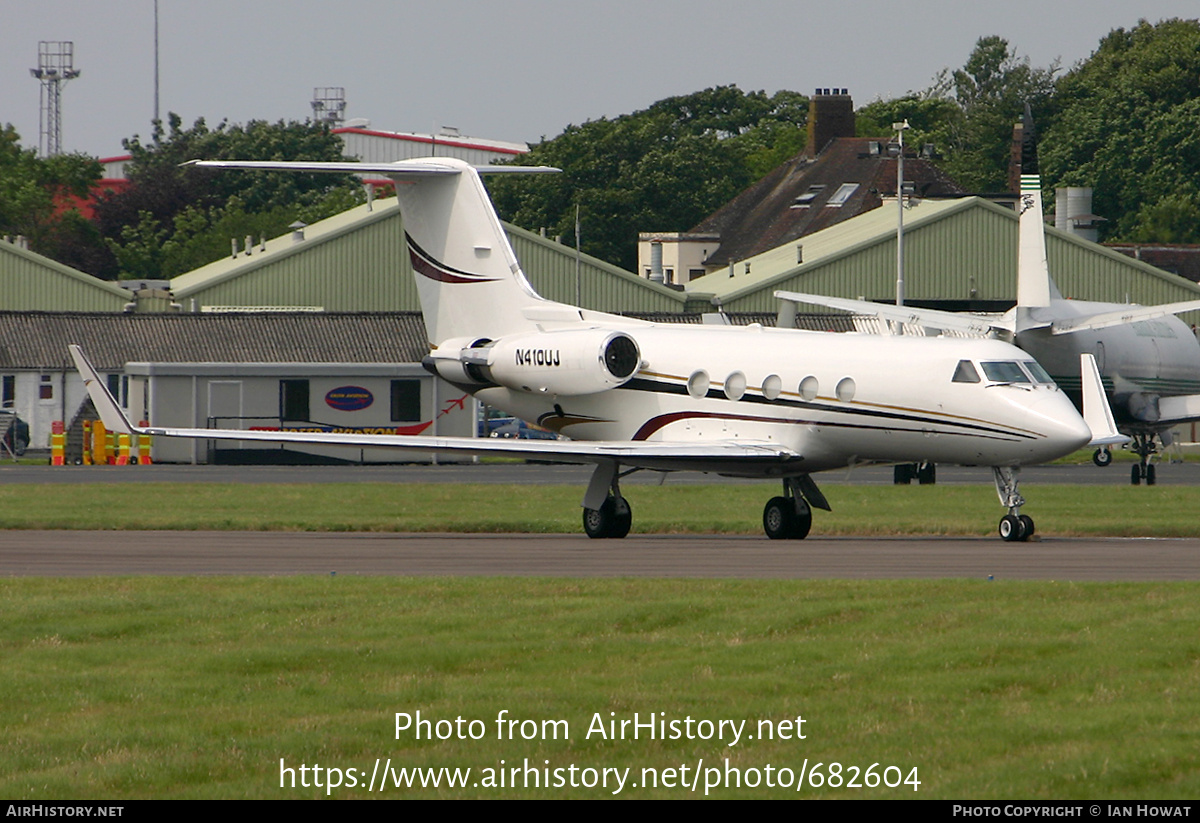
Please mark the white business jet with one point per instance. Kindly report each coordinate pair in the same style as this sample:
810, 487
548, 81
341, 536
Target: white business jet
633, 395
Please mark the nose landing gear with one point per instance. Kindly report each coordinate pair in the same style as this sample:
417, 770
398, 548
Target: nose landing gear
1014, 526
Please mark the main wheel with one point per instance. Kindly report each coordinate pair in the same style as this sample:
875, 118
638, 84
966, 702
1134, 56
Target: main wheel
903, 473
1011, 528
1135, 476
779, 518
611, 520
927, 474
622, 518
801, 523
1102, 457
1026, 525
1150, 478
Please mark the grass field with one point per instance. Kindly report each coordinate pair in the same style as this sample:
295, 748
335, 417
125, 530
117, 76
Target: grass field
718, 509
124, 688
120, 688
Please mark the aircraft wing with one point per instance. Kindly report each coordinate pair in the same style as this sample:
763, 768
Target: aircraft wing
961, 322
722, 456
1121, 317
400, 168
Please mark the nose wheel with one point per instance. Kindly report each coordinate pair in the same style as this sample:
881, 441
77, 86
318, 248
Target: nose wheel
1014, 526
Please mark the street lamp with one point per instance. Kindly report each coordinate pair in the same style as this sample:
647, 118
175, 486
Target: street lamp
899, 128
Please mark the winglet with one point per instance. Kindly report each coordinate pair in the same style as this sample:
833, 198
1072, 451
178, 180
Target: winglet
1096, 411
110, 413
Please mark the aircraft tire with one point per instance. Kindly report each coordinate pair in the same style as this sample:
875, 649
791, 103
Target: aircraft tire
612, 520
597, 523
1026, 526
926, 474
779, 518
1150, 472
1135, 476
903, 473
801, 524
1011, 528
622, 518
1102, 457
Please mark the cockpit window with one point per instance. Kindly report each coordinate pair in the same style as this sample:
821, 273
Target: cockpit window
1039, 374
1004, 371
965, 372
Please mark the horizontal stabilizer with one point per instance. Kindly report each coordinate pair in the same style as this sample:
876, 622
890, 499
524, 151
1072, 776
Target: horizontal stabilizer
401, 169
1096, 411
931, 318
1121, 317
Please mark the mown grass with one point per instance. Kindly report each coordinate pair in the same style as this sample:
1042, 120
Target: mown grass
1163, 511
181, 688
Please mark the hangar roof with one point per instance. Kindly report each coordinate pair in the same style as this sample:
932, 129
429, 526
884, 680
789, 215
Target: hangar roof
39, 340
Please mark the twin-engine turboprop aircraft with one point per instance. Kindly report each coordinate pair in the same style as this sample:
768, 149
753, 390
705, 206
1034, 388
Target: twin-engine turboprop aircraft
632, 395
1148, 358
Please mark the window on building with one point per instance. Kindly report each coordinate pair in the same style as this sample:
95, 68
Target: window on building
843, 194
805, 200
406, 401
293, 400
46, 388
8, 391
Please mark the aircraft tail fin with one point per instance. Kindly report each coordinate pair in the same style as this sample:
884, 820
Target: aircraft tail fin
1033, 274
468, 278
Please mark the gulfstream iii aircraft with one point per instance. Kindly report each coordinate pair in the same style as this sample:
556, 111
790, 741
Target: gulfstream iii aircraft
633, 395
1148, 358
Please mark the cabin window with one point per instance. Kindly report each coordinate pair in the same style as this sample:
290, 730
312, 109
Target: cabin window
293, 400
1004, 371
808, 388
965, 372
406, 401
772, 387
735, 385
698, 384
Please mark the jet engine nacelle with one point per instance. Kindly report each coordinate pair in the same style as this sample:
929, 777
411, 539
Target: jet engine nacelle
564, 362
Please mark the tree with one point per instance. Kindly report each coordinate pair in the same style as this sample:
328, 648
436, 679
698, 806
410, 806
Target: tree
661, 169
35, 191
1124, 122
174, 218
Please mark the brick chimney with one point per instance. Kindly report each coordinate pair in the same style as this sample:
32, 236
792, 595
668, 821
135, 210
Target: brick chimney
830, 115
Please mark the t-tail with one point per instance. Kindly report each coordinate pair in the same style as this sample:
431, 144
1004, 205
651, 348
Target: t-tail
468, 278
1033, 273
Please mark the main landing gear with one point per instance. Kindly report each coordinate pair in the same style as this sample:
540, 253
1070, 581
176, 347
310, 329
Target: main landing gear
1145, 446
1014, 525
606, 513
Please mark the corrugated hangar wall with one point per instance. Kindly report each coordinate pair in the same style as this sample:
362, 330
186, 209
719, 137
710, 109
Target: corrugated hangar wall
366, 268
30, 282
970, 254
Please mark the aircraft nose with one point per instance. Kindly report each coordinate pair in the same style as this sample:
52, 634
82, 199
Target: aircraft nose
1064, 428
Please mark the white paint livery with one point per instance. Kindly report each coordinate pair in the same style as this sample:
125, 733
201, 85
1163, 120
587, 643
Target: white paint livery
632, 395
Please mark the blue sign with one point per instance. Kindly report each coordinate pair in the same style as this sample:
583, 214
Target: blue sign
349, 398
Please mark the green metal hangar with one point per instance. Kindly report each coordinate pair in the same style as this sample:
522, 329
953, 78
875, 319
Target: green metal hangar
317, 329
959, 255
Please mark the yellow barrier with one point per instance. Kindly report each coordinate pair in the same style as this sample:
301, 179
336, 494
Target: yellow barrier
144, 444
58, 444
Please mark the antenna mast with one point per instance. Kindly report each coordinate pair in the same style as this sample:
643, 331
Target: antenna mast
56, 65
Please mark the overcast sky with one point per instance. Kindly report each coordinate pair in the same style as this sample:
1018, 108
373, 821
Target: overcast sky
516, 70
